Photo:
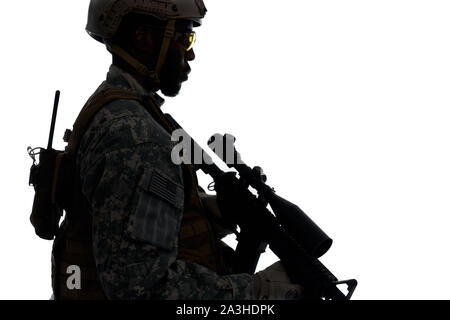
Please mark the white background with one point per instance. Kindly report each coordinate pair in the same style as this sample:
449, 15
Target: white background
345, 104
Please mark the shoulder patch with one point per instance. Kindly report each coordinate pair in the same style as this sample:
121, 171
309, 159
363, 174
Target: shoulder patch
164, 188
158, 212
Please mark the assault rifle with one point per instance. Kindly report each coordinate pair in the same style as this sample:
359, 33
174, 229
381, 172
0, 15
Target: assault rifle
289, 232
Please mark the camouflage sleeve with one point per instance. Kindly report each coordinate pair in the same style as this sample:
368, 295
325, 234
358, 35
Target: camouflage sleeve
124, 159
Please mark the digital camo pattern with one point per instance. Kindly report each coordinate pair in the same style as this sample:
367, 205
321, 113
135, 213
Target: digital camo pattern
135, 222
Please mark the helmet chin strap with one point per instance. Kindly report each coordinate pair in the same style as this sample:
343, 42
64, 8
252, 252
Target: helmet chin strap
153, 76
169, 32
134, 63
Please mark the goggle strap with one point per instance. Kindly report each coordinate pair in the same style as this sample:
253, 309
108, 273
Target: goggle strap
168, 35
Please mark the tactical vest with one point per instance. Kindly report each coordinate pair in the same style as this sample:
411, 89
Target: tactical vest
73, 242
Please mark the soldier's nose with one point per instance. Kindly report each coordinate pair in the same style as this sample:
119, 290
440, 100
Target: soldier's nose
190, 55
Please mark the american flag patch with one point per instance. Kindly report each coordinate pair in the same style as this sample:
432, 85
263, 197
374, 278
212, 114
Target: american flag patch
163, 188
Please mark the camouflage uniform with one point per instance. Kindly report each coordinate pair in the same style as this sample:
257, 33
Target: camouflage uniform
135, 233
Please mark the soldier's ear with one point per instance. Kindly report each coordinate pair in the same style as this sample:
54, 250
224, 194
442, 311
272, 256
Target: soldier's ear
143, 39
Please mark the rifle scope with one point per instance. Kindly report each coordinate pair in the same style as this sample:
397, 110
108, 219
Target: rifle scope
297, 223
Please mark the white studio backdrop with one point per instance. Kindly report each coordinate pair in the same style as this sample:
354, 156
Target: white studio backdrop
345, 104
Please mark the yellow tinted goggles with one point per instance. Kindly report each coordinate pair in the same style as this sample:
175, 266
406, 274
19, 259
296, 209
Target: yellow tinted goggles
185, 39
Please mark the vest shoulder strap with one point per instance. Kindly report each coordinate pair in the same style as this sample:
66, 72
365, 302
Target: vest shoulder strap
99, 100
91, 108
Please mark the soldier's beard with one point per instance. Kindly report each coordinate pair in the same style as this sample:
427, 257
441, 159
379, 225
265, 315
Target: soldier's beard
171, 90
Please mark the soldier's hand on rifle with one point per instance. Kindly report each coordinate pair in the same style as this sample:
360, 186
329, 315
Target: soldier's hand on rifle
222, 226
234, 199
273, 283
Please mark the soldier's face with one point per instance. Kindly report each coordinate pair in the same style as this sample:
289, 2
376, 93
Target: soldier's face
176, 67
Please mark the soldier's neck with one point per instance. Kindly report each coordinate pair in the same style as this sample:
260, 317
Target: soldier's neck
143, 81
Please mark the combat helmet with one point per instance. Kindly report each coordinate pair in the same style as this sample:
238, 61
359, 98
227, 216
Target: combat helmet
105, 16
